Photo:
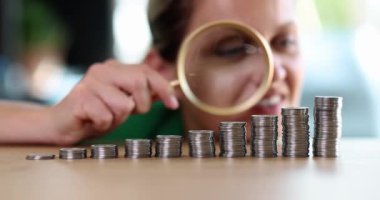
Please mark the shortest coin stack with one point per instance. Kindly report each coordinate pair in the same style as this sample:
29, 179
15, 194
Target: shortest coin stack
264, 135
104, 151
72, 153
168, 146
201, 143
232, 139
40, 156
138, 148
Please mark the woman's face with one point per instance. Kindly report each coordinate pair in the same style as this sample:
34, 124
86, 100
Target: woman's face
275, 20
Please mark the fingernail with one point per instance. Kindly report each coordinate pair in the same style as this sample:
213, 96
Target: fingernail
173, 102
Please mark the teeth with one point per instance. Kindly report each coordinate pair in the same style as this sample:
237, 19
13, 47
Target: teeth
270, 101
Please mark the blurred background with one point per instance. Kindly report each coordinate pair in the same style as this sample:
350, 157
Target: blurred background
47, 45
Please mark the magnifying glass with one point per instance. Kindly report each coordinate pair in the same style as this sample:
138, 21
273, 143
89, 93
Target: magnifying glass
224, 67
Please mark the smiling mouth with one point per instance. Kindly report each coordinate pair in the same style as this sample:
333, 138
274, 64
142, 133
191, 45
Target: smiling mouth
271, 100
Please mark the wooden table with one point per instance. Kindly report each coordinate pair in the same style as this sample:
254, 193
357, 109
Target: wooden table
354, 175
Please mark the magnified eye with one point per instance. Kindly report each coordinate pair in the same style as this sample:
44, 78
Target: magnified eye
230, 47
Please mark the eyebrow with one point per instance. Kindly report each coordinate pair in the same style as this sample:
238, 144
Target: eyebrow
290, 25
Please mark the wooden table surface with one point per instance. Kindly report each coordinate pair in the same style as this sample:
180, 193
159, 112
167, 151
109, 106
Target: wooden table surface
354, 175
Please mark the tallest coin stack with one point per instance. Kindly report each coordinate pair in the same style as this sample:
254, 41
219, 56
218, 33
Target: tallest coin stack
327, 126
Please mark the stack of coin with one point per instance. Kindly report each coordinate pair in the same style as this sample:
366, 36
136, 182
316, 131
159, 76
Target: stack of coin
232, 139
327, 126
295, 130
104, 151
168, 146
72, 153
138, 148
264, 135
201, 143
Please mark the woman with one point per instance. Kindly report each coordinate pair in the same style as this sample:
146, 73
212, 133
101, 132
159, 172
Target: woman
110, 92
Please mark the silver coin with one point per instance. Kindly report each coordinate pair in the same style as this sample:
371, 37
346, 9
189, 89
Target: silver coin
264, 155
327, 154
232, 124
328, 99
233, 154
168, 137
40, 156
294, 111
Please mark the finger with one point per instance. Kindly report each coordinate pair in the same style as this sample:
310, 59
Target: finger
98, 113
115, 99
162, 88
129, 103
133, 83
138, 78
142, 82
138, 87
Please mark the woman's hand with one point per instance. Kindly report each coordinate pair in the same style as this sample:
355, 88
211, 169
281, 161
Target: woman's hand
104, 98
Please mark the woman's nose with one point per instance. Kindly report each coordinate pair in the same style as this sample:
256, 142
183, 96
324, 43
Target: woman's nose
280, 72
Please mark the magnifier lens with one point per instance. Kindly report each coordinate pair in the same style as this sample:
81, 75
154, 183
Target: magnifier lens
225, 66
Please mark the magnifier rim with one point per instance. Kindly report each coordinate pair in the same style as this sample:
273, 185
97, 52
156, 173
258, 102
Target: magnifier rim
216, 110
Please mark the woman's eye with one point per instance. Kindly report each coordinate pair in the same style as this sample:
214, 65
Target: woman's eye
230, 51
230, 47
285, 44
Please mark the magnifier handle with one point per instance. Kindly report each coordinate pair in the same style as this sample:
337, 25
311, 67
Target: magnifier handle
173, 83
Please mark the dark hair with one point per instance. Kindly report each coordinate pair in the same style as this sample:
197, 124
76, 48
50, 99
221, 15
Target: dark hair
168, 21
